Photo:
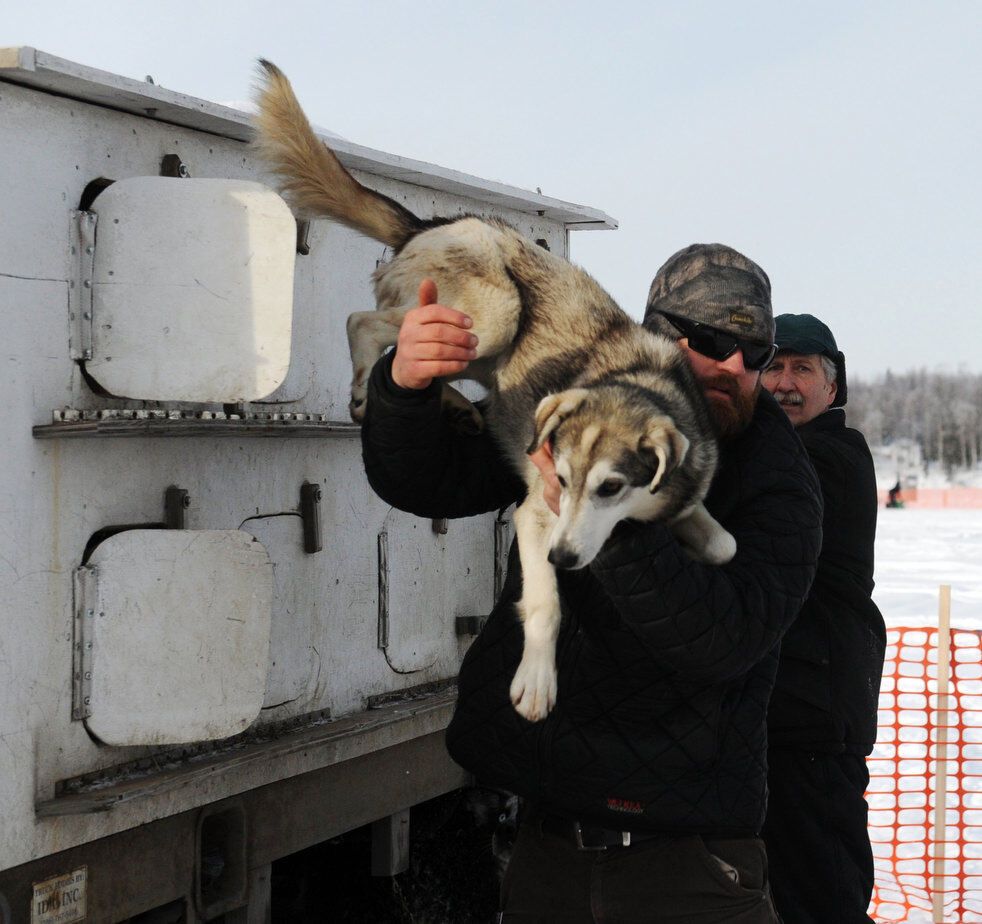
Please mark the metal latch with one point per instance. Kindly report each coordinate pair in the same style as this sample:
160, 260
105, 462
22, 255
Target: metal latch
469, 625
172, 165
82, 241
176, 502
310, 512
383, 590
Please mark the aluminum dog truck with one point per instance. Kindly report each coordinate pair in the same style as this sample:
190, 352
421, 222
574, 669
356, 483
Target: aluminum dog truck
217, 646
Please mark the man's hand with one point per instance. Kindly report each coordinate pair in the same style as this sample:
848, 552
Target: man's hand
542, 460
433, 341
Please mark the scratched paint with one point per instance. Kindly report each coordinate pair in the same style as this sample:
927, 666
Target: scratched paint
323, 617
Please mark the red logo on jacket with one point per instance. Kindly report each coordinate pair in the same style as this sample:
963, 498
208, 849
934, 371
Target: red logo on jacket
624, 805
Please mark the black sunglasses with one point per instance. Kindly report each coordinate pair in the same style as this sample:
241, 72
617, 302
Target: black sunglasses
719, 345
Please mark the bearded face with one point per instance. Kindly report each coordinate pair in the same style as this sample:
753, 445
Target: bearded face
731, 403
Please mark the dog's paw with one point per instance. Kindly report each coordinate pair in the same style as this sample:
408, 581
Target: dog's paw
469, 423
461, 414
358, 402
533, 689
720, 549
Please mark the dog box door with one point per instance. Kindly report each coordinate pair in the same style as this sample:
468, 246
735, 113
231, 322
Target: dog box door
191, 290
430, 578
172, 635
295, 599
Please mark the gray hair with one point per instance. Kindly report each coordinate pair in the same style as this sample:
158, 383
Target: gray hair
828, 367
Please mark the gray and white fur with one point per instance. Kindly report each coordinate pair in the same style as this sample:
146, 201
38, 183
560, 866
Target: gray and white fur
630, 432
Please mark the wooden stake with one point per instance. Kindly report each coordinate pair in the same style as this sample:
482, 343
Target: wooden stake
941, 752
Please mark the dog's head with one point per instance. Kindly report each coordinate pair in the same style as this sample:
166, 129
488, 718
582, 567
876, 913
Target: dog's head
612, 459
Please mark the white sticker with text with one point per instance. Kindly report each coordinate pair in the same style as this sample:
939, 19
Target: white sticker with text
60, 900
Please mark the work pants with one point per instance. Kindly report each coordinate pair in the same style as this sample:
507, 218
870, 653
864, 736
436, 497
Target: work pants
821, 862
684, 880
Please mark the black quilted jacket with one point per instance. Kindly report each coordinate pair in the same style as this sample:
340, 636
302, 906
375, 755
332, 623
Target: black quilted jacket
828, 681
665, 664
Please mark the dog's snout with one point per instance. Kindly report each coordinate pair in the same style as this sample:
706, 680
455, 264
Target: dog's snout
563, 557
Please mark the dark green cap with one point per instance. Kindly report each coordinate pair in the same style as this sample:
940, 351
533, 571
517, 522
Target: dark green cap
806, 335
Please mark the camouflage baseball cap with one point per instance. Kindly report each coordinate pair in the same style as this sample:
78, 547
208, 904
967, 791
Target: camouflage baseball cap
715, 285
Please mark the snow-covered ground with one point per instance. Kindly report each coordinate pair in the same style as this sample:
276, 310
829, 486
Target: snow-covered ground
916, 551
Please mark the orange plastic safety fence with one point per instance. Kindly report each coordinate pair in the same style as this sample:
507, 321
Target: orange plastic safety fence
903, 781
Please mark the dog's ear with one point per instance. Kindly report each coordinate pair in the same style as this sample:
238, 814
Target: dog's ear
667, 444
552, 411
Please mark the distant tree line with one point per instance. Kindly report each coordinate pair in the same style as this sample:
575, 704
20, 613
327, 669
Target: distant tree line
939, 411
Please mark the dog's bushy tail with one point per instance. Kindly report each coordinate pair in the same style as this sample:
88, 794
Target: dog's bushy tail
311, 176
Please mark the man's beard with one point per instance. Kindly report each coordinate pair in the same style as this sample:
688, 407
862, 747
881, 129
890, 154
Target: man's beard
729, 417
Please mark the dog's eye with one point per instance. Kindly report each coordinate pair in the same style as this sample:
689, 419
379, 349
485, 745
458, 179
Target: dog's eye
609, 488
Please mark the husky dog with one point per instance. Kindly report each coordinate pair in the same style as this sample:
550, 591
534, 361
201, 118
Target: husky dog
629, 429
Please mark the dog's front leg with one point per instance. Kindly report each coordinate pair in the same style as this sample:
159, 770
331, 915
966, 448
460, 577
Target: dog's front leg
369, 334
702, 536
533, 689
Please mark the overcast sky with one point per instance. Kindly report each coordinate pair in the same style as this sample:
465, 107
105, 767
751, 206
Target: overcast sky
838, 143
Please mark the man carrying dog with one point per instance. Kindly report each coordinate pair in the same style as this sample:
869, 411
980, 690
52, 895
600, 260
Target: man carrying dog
822, 718
647, 781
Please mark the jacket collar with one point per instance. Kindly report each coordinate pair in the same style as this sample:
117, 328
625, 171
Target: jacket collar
832, 419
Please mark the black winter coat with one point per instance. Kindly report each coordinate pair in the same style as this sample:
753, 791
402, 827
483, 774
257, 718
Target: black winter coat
665, 664
828, 680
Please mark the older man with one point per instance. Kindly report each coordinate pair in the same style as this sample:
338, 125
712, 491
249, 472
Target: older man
822, 717
647, 781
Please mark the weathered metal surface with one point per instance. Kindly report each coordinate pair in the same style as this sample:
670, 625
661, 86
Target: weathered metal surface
390, 844
159, 857
57, 492
306, 749
260, 907
31, 67
113, 423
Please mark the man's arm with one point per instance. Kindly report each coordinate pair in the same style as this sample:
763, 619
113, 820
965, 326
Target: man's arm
413, 457
714, 622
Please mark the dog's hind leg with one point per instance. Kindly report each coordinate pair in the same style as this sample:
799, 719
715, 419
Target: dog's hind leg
533, 689
369, 334
702, 536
